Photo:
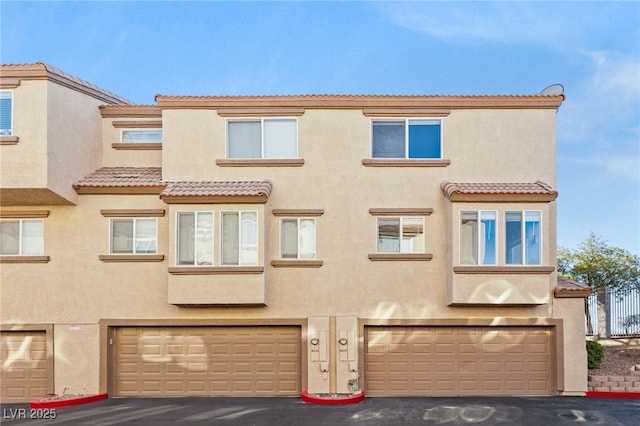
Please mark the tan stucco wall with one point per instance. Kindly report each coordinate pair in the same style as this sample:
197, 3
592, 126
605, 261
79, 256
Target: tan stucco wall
24, 165
76, 288
574, 352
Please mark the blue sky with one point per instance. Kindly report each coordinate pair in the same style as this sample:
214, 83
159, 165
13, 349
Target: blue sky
140, 49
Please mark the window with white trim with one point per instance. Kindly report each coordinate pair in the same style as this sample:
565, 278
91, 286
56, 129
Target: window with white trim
400, 235
410, 138
478, 237
240, 238
195, 238
21, 237
298, 238
275, 138
133, 236
141, 136
523, 237
6, 113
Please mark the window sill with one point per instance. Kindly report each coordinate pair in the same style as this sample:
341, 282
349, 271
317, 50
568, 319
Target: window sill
402, 162
296, 263
215, 270
24, 259
139, 146
516, 269
401, 256
261, 162
9, 140
132, 257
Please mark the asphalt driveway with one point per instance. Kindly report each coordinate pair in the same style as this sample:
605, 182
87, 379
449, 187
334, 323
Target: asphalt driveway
537, 411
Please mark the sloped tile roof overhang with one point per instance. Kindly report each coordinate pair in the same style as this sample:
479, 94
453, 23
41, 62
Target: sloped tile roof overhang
570, 288
217, 192
499, 192
122, 180
148, 180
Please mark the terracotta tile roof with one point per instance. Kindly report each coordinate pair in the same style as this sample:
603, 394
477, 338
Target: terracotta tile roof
570, 288
217, 192
41, 70
143, 179
505, 191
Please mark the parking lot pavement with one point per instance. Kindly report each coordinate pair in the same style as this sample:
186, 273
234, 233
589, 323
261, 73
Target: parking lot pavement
372, 411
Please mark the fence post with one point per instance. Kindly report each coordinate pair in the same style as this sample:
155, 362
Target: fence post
607, 311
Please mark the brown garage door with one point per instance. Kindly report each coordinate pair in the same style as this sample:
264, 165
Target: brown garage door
24, 366
263, 360
458, 361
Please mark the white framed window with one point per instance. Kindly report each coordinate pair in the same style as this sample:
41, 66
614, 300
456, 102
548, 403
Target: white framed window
239, 238
275, 138
133, 236
141, 136
478, 237
21, 237
523, 237
194, 238
407, 138
298, 238
400, 234
6, 113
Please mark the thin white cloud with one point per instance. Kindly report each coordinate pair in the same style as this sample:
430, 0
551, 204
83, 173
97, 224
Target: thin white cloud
610, 167
556, 24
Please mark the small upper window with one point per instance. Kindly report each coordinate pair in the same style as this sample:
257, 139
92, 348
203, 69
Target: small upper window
262, 138
21, 237
141, 136
298, 238
134, 236
6, 113
401, 235
420, 138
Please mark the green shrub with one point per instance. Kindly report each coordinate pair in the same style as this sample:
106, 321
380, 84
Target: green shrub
595, 354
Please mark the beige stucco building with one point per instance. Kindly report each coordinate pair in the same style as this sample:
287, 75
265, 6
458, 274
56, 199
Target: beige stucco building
269, 245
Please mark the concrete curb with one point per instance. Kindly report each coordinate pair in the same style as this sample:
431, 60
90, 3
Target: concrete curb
331, 400
59, 403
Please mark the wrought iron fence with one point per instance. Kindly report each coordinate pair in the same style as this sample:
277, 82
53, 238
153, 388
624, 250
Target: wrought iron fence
622, 313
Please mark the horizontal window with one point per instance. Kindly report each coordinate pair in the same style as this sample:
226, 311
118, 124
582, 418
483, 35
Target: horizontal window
400, 235
478, 238
419, 138
21, 237
262, 138
195, 238
6, 113
298, 238
134, 236
141, 136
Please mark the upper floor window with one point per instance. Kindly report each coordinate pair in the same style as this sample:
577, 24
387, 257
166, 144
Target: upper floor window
133, 236
418, 138
21, 237
6, 113
478, 237
141, 136
298, 238
523, 238
401, 235
240, 238
195, 238
262, 138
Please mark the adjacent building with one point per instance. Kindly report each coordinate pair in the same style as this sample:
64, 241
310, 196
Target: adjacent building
269, 245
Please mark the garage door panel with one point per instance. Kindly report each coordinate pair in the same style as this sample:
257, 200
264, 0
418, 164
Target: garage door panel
457, 360
25, 369
208, 360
